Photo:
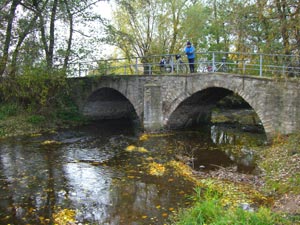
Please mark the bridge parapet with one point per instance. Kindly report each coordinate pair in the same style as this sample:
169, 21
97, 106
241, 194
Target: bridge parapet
254, 64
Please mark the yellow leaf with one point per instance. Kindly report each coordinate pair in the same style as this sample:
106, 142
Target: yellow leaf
156, 169
50, 142
142, 149
144, 137
130, 148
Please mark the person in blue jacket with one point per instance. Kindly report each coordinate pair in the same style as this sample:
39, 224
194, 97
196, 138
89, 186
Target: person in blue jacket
190, 52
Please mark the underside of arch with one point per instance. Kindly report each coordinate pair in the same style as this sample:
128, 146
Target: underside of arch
108, 103
197, 108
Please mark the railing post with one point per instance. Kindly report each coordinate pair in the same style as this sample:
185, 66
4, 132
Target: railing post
260, 64
150, 69
79, 69
136, 66
213, 62
105, 67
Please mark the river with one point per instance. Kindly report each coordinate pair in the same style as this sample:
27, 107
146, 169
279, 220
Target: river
101, 172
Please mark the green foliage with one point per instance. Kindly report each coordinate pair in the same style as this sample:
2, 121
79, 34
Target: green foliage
68, 111
209, 210
37, 89
37, 100
36, 119
9, 109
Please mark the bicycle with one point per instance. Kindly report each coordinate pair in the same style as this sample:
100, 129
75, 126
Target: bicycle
222, 66
293, 69
168, 65
205, 66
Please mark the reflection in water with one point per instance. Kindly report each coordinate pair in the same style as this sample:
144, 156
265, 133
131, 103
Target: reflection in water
224, 134
88, 190
91, 173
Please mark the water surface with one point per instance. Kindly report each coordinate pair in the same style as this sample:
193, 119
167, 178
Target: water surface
89, 170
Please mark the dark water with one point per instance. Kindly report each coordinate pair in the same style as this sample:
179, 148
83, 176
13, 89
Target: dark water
88, 170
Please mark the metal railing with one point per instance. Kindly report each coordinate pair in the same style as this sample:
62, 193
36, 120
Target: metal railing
263, 65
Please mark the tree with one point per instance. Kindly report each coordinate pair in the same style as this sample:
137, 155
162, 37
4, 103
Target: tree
8, 35
196, 25
37, 24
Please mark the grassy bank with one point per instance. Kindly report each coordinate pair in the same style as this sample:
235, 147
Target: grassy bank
15, 120
209, 209
35, 101
279, 164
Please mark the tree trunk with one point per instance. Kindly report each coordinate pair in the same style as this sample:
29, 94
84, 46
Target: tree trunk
19, 44
52, 35
281, 8
68, 51
5, 51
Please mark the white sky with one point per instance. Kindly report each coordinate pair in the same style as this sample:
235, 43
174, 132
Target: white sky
105, 8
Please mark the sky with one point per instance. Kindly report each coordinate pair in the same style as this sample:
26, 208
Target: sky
105, 8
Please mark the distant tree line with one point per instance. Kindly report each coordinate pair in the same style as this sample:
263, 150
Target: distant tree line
46, 32
145, 27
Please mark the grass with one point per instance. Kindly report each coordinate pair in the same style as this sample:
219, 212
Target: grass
15, 120
208, 209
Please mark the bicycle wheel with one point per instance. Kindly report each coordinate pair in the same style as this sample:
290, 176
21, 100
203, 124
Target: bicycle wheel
223, 68
182, 68
202, 69
166, 69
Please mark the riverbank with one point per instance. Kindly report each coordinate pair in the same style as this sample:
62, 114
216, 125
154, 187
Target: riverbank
277, 183
280, 165
15, 121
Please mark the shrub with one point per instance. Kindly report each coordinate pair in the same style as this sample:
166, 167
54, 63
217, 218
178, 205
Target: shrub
9, 109
36, 119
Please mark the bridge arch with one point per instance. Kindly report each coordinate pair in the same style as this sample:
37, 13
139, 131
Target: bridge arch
108, 103
195, 107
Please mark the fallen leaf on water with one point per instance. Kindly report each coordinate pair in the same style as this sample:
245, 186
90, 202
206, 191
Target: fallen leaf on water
50, 142
156, 169
130, 148
165, 214
142, 149
144, 137
63, 217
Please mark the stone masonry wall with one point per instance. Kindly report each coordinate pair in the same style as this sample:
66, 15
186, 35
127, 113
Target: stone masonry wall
277, 103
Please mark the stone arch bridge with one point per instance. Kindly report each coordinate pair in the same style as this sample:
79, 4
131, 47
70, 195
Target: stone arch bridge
178, 100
